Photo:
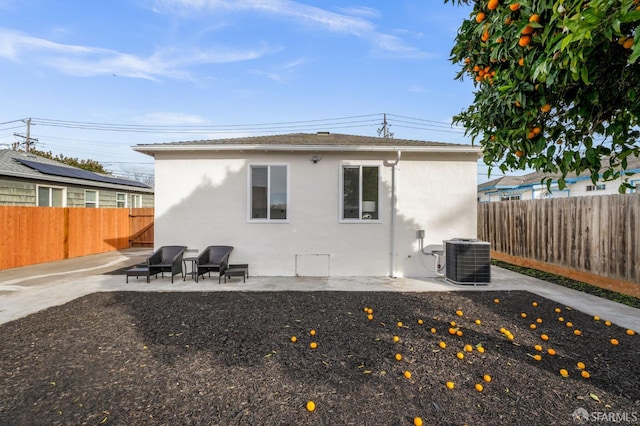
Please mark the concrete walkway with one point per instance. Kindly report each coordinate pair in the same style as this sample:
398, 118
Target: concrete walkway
30, 289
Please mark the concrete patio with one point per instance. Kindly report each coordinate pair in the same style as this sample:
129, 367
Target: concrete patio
30, 289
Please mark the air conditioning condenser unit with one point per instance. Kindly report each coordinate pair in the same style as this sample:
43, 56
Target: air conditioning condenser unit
468, 261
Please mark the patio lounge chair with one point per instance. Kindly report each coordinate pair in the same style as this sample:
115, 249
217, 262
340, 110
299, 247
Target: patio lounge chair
166, 259
214, 259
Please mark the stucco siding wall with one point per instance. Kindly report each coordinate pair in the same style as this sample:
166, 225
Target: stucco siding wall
202, 200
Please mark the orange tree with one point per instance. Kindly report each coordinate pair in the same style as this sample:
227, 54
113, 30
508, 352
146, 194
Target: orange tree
557, 84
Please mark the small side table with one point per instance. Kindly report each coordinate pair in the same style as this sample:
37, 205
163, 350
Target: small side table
138, 271
237, 270
194, 268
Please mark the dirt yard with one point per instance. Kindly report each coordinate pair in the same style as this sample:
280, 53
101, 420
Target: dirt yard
228, 359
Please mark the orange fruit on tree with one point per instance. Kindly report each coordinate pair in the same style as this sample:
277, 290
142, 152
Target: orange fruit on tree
534, 18
521, 62
492, 5
514, 6
519, 153
524, 41
537, 131
485, 35
628, 43
480, 17
545, 108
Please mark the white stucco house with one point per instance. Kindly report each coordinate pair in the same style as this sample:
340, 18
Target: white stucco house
528, 186
316, 204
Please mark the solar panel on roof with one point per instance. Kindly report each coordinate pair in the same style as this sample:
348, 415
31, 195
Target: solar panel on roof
50, 169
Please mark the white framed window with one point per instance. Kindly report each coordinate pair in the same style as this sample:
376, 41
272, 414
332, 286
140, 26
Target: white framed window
121, 199
268, 193
90, 198
511, 197
51, 196
136, 201
598, 187
359, 193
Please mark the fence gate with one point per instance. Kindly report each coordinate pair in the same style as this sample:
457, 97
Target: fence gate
141, 226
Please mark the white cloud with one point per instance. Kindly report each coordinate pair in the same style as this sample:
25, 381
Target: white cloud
351, 21
88, 61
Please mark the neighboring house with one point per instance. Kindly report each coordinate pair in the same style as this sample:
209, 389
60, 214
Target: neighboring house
528, 187
316, 204
30, 180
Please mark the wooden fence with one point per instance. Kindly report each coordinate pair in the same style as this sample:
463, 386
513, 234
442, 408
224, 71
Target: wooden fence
593, 239
30, 235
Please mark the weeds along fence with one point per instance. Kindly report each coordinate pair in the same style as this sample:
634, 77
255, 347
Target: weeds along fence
31, 235
594, 239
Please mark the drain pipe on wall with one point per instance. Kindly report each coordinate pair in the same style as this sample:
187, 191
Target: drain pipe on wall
394, 212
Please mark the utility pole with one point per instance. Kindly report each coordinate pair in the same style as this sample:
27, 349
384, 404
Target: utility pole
28, 140
384, 130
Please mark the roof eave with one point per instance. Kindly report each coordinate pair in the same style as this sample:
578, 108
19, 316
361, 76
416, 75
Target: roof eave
151, 149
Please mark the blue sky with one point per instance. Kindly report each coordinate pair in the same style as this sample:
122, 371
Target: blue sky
98, 77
